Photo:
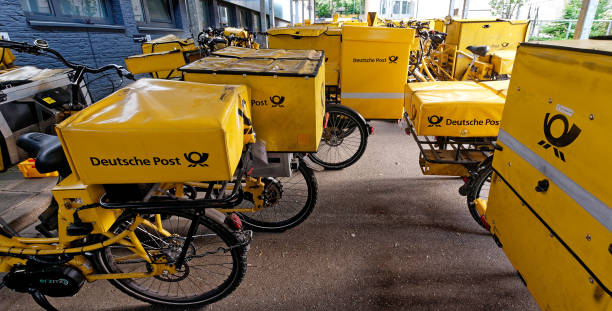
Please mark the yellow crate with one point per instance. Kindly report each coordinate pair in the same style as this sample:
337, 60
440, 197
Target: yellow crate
554, 137
321, 38
156, 63
158, 131
28, 169
497, 34
287, 96
457, 113
374, 62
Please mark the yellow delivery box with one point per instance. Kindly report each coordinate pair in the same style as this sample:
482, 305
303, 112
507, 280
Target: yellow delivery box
457, 113
374, 66
167, 43
240, 52
412, 89
550, 204
158, 131
320, 38
156, 63
287, 96
497, 34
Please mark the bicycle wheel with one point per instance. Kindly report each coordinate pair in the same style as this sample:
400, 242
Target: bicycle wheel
288, 201
344, 139
204, 277
479, 190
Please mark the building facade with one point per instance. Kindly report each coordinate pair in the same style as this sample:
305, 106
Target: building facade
100, 32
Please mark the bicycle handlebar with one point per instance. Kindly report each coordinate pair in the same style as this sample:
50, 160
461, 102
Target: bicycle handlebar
41, 47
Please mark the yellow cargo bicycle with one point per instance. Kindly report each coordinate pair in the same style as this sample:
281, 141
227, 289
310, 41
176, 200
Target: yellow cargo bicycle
122, 210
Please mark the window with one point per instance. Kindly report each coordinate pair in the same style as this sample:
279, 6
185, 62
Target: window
404, 7
224, 16
396, 7
81, 11
383, 8
154, 12
256, 21
205, 13
243, 20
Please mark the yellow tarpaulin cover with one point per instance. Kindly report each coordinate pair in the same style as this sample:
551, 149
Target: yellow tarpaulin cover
297, 67
240, 52
158, 131
412, 88
458, 113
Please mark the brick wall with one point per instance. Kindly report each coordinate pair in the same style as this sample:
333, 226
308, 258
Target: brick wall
91, 46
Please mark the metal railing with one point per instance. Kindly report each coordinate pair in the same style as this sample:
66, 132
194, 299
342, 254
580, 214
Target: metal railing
564, 29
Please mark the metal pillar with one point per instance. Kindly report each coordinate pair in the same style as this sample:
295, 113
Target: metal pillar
272, 20
466, 9
303, 9
312, 11
585, 19
194, 12
291, 13
262, 14
451, 7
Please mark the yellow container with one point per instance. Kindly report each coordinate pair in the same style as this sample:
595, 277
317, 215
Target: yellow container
287, 96
499, 87
374, 66
240, 52
413, 88
550, 208
171, 43
320, 38
158, 131
497, 34
502, 61
6, 58
28, 169
457, 113
156, 63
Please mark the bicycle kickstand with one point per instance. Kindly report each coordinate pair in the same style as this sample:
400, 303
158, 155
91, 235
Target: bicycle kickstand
41, 300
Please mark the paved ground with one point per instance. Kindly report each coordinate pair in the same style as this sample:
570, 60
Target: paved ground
383, 237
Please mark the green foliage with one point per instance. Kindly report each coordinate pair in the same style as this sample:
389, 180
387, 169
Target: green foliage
505, 8
326, 8
558, 30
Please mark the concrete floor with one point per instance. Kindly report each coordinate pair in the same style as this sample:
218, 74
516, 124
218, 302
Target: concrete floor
382, 237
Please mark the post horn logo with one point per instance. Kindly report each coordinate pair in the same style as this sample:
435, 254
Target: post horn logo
277, 101
393, 59
568, 136
196, 158
435, 120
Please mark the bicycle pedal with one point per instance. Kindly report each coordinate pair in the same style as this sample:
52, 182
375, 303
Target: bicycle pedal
79, 229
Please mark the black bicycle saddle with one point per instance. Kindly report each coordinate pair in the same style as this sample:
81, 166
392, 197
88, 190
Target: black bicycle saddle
48, 150
480, 50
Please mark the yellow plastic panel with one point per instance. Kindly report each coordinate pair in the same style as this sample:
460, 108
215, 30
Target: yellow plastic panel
155, 62
287, 97
460, 113
158, 131
554, 277
553, 129
374, 66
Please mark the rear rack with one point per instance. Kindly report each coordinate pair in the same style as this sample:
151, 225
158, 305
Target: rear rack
466, 151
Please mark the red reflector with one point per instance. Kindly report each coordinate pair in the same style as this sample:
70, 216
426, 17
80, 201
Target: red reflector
485, 223
236, 221
407, 131
326, 119
465, 179
371, 130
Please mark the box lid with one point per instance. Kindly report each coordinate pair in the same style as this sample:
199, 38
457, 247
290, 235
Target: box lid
240, 52
262, 67
150, 104
377, 34
304, 31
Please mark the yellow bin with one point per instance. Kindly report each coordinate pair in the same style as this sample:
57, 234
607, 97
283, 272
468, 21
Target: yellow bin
170, 43
374, 66
320, 38
550, 205
287, 96
158, 131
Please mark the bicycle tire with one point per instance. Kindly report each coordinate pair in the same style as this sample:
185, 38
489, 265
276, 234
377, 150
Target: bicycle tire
135, 290
475, 192
335, 134
259, 225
